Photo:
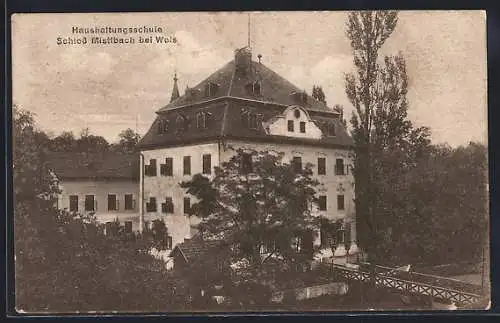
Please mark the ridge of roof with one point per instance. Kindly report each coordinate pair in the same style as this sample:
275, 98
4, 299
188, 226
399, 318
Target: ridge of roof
280, 89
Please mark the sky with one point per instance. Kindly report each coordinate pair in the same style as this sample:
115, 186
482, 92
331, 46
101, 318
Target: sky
109, 88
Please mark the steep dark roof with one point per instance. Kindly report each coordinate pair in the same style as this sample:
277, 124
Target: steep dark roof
274, 88
225, 108
196, 248
96, 166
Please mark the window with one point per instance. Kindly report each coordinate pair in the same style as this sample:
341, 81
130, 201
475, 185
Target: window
252, 121
325, 236
129, 202
150, 170
331, 129
290, 125
339, 166
167, 168
89, 203
341, 236
187, 205
73, 203
168, 206
151, 205
340, 202
256, 88
246, 163
253, 88
163, 126
296, 113
302, 127
112, 205
169, 242
182, 123
207, 164
297, 164
187, 165
128, 226
322, 203
321, 166
202, 119
211, 88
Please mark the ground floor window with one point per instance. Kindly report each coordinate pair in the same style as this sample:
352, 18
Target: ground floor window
112, 203
128, 226
73, 203
129, 202
90, 204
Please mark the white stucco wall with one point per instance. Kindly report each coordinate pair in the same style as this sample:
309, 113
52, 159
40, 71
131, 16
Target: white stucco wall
180, 225
279, 125
160, 186
100, 190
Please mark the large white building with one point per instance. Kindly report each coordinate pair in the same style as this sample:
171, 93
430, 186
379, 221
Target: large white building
244, 104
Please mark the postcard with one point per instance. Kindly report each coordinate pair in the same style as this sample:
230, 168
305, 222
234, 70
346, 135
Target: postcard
193, 162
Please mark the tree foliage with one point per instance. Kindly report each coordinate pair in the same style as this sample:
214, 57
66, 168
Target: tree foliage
266, 205
318, 94
399, 204
64, 262
90, 143
128, 140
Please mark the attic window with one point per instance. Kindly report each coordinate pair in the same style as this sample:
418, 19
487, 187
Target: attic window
163, 126
250, 119
296, 113
253, 88
331, 129
182, 122
211, 88
202, 119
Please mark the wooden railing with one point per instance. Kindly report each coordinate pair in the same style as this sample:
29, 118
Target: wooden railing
439, 288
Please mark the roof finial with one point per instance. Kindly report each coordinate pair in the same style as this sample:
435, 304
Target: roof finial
175, 90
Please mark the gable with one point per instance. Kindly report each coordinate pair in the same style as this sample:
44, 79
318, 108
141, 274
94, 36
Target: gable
293, 122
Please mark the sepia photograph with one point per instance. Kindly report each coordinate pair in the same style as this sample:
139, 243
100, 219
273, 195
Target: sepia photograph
215, 162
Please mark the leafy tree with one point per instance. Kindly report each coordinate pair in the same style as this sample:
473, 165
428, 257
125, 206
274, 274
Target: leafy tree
249, 206
65, 142
91, 143
386, 142
128, 140
64, 262
411, 198
318, 94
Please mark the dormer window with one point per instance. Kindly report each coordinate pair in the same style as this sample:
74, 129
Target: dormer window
250, 119
202, 119
211, 88
331, 129
296, 113
253, 88
182, 122
163, 126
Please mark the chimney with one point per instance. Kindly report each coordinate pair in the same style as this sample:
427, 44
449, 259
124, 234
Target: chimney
243, 60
